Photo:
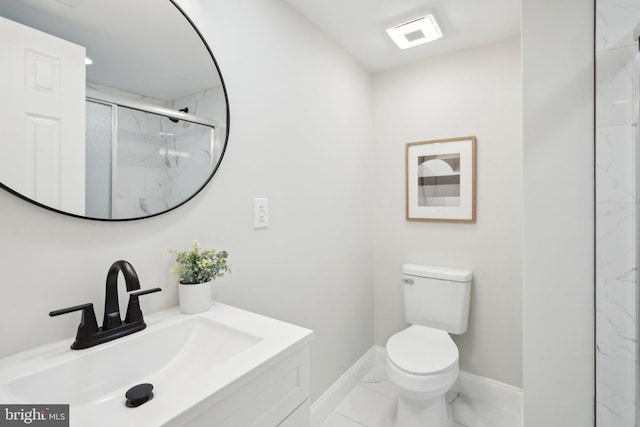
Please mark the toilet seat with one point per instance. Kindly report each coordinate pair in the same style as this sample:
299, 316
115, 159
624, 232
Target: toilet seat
420, 350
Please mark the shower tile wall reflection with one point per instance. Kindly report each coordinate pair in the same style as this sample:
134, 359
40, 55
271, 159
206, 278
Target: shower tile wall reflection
207, 103
616, 205
160, 163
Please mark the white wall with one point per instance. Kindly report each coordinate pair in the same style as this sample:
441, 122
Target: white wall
473, 92
558, 249
300, 135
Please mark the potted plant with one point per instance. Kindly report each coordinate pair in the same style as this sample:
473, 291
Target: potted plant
196, 269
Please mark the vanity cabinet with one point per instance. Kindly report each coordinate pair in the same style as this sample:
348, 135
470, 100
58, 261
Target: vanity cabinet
276, 395
225, 367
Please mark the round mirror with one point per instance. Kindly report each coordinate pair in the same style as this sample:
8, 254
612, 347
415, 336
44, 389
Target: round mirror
111, 110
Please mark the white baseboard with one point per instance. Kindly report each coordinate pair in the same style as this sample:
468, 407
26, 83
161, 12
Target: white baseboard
478, 391
330, 399
485, 392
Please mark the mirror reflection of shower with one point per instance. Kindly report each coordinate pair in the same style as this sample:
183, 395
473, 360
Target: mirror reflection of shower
143, 159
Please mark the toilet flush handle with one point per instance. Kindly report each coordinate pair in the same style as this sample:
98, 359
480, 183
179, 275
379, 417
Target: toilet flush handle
407, 281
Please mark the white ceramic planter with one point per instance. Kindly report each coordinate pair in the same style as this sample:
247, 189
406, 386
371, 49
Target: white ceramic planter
194, 298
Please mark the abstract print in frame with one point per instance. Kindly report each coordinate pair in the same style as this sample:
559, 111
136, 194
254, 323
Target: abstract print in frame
440, 180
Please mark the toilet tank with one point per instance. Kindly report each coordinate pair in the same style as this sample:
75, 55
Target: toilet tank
437, 297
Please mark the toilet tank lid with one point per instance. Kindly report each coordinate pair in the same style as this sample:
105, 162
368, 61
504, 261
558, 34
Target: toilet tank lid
441, 273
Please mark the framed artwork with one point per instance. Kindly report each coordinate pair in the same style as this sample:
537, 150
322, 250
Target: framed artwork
441, 180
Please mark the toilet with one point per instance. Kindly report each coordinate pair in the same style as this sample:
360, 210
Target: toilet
422, 360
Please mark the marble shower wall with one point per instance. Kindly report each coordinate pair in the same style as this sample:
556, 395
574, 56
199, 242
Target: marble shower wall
616, 206
160, 163
208, 103
167, 161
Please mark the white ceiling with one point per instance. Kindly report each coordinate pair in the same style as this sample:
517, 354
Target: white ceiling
359, 26
110, 29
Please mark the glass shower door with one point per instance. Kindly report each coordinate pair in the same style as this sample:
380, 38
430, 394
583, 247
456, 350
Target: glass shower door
141, 163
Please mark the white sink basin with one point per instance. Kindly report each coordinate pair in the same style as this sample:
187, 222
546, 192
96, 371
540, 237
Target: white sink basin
180, 351
187, 358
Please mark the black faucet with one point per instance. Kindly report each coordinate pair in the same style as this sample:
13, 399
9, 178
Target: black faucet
112, 318
112, 326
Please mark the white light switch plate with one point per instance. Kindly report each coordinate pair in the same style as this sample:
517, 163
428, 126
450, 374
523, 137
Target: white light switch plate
260, 212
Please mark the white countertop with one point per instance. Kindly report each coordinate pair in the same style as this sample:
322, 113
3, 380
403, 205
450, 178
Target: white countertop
203, 359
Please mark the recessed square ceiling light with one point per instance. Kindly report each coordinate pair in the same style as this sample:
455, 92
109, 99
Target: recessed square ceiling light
415, 32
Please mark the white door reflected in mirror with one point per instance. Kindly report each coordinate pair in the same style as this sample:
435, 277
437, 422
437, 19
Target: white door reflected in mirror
42, 110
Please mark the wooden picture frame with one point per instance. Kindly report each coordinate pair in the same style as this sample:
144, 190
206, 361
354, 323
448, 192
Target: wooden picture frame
440, 180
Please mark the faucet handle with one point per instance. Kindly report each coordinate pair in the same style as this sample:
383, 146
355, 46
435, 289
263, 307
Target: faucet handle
134, 313
88, 324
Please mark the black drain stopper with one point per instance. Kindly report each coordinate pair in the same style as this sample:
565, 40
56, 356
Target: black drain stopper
139, 394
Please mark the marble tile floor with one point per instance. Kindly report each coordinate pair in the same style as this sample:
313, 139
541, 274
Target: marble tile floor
373, 404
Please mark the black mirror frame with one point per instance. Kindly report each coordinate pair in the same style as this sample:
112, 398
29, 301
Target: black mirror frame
224, 147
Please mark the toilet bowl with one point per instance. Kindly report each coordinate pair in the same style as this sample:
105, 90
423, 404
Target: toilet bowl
422, 360
423, 363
